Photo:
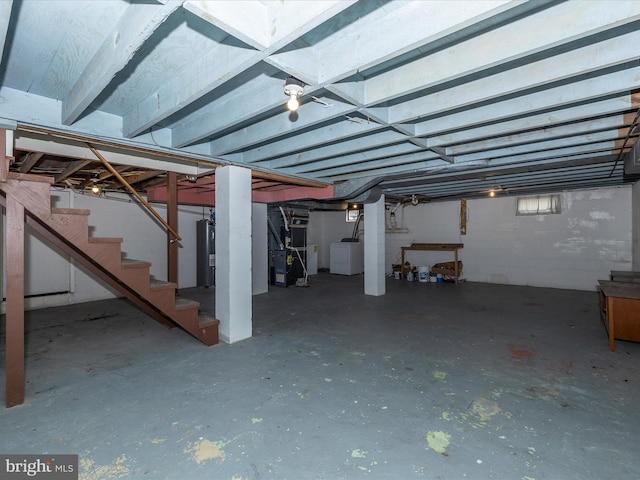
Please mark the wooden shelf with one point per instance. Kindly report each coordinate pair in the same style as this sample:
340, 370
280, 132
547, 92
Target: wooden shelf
441, 247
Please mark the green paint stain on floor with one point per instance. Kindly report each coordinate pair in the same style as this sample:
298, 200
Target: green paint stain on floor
484, 409
358, 453
256, 420
439, 375
438, 441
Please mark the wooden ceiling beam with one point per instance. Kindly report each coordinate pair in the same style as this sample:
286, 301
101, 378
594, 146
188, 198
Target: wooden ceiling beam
70, 169
30, 160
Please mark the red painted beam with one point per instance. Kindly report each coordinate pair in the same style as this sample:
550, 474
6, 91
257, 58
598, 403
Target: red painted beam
193, 196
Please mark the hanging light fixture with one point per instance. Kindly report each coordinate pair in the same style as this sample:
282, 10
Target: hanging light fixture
494, 190
294, 88
95, 188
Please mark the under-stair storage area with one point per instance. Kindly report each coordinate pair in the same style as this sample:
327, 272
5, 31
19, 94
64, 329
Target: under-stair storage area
27, 202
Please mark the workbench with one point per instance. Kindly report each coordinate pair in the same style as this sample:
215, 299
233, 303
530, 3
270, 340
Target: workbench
620, 310
625, 276
437, 247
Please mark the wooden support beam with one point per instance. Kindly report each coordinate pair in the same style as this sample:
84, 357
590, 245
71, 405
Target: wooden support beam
30, 161
71, 168
15, 303
172, 220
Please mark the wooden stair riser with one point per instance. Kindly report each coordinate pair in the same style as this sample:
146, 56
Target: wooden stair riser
165, 300
136, 278
207, 335
106, 254
187, 317
75, 228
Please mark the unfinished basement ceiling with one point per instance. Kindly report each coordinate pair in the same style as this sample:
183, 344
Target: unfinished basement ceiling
439, 99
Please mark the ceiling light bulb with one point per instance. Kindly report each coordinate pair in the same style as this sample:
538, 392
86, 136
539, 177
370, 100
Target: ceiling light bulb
95, 189
293, 88
293, 103
492, 193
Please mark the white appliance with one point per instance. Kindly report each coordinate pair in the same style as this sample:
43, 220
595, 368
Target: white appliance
345, 258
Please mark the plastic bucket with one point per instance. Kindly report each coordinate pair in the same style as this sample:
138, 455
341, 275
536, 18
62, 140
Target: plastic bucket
423, 274
396, 275
440, 278
410, 277
433, 278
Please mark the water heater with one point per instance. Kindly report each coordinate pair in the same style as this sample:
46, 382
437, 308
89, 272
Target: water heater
206, 253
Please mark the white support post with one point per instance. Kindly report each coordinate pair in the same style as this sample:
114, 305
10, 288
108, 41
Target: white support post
233, 253
374, 248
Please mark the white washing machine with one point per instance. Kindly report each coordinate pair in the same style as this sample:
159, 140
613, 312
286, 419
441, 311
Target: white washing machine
346, 258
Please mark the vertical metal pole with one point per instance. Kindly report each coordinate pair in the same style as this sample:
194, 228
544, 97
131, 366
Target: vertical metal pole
15, 303
172, 220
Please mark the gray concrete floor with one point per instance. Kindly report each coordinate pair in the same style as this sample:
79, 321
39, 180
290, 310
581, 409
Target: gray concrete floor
429, 381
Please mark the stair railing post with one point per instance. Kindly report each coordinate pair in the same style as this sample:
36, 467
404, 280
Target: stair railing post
172, 220
15, 380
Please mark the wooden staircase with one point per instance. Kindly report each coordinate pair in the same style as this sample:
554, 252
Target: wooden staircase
68, 230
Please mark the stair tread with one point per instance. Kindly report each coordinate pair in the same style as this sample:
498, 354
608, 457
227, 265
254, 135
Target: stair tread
71, 211
185, 303
207, 321
105, 240
161, 284
133, 263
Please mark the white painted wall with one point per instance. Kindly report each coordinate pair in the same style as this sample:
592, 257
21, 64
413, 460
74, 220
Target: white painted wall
635, 211
597, 231
591, 237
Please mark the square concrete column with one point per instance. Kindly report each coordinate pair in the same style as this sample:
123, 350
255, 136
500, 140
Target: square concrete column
374, 251
233, 253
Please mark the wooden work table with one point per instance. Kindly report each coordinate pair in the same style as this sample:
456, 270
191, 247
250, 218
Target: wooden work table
438, 247
620, 310
625, 276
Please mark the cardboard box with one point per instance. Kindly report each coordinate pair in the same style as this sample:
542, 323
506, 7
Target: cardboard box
447, 269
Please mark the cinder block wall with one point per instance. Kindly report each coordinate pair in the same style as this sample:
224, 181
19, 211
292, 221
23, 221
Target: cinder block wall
573, 249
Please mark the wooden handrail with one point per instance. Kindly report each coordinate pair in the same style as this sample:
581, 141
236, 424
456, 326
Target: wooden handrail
116, 174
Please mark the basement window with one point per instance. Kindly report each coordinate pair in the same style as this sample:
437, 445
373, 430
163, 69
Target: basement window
539, 205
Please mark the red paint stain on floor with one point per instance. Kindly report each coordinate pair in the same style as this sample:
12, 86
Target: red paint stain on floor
521, 352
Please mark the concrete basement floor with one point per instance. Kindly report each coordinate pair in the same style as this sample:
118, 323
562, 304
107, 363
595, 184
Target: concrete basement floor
430, 381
